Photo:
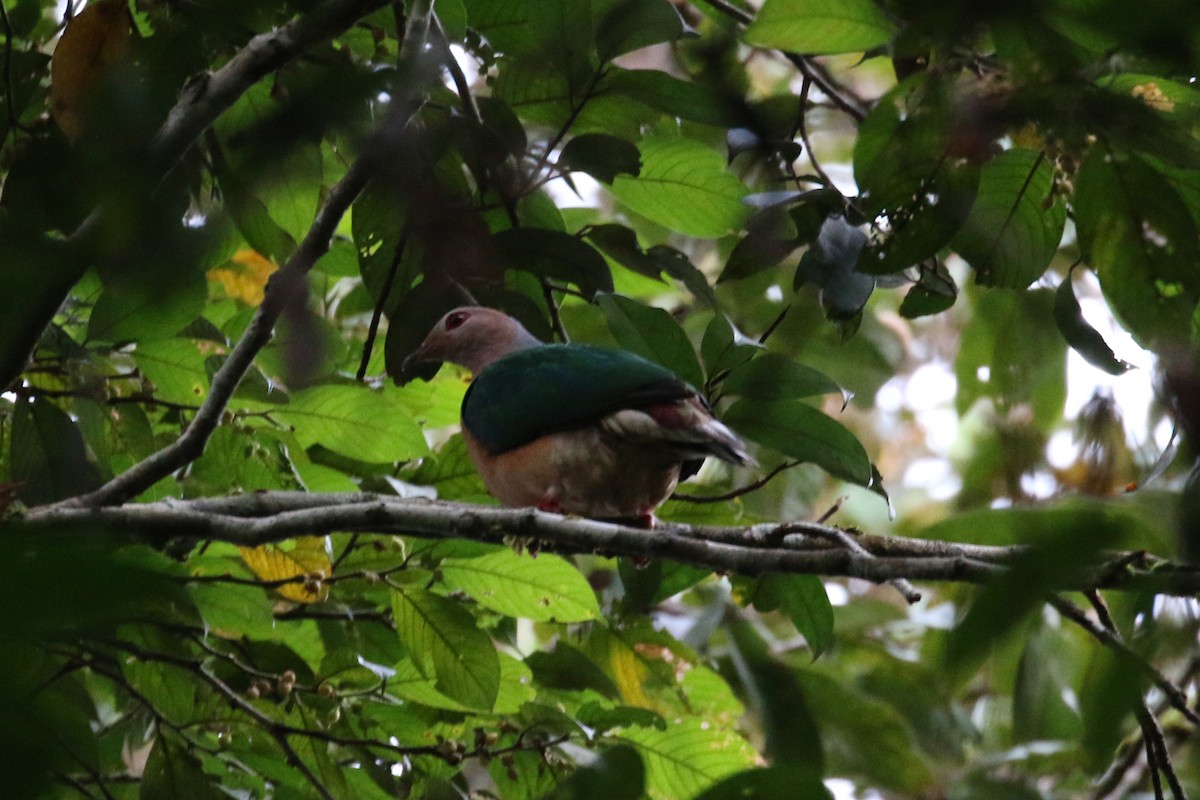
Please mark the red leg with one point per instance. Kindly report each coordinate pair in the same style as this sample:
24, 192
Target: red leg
549, 503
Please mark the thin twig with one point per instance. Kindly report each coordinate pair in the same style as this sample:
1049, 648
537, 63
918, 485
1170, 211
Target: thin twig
377, 314
750, 487
901, 585
1175, 695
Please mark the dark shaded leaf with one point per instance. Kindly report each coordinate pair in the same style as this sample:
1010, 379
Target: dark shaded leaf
820, 26
617, 774
554, 254
602, 156
172, 773
634, 24
767, 783
48, 455
652, 334
684, 99
1083, 338
804, 433
773, 376
803, 598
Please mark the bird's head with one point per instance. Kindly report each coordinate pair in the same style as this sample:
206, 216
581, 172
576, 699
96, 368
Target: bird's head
472, 337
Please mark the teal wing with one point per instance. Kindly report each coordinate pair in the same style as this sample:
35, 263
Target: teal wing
543, 390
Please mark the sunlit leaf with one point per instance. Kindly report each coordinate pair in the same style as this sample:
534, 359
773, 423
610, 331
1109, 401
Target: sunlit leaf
308, 559
688, 757
546, 588
684, 186
355, 421
446, 645
820, 26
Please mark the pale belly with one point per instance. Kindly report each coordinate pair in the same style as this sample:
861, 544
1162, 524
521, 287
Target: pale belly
585, 472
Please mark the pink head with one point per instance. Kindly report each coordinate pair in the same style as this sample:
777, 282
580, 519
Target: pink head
472, 337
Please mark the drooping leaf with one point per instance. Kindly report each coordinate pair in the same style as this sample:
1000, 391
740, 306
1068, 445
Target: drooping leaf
445, 644
820, 26
652, 334
804, 433
774, 376
803, 598
684, 186
1083, 338
48, 457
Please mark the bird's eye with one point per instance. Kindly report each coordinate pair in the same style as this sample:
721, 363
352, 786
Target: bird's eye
456, 319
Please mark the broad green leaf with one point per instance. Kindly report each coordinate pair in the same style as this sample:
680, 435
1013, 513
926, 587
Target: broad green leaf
452, 473
684, 186
236, 458
547, 589
820, 26
130, 310
233, 610
516, 687
47, 454
171, 689
554, 254
652, 334
689, 100
688, 757
633, 24
355, 421
725, 347
173, 773
864, 737
1016, 223
803, 598
1139, 235
804, 433
768, 782
773, 376
446, 645
1039, 710
175, 367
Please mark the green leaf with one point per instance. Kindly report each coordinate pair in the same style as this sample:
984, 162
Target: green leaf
554, 254
617, 774
725, 347
355, 421
652, 334
684, 186
994, 363
687, 100
516, 687
252, 218
172, 773
634, 24
175, 367
1139, 235
1080, 335
446, 645
602, 156
864, 736
773, 376
234, 610
688, 757
820, 26
1016, 223
767, 784
545, 589
804, 599
129, 310
1039, 710
804, 433
48, 457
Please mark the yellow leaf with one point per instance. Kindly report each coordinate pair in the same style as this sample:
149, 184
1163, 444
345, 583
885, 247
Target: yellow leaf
94, 40
245, 277
307, 558
630, 674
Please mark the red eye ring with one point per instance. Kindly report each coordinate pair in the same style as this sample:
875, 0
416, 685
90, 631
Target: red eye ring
456, 319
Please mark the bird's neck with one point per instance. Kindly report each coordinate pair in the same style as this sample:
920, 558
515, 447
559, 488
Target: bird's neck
503, 344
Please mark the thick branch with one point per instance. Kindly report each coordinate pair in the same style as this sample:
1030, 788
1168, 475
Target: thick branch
759, 549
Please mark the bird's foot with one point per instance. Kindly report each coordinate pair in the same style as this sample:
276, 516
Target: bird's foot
549, 504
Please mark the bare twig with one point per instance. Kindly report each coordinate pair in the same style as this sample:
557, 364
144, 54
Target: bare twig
750, 487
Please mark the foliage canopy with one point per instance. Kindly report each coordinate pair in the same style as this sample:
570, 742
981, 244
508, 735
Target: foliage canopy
797, 205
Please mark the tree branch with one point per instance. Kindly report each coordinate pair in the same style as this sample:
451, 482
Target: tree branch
795, 547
